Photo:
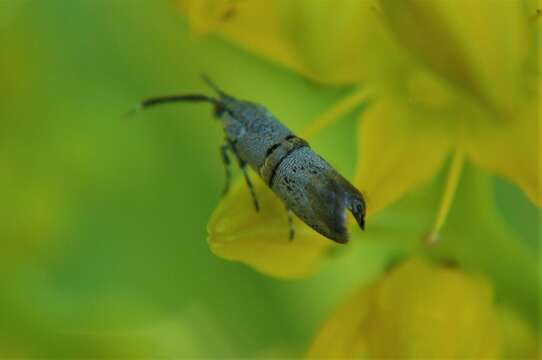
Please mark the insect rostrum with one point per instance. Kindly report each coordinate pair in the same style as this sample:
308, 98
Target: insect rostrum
306, 183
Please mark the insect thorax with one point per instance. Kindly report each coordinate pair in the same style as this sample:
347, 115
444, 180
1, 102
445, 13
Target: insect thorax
254, 131
277, 154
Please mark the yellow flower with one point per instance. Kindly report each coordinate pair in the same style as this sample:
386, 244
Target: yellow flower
446, 78
420, 310
322, 40
267, 248
463, 80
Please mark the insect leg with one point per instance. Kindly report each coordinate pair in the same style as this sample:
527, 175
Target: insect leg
250, 186
243, 166
226, 160
291, 228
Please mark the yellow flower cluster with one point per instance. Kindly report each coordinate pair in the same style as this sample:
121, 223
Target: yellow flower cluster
450, 78
447, 79
394, 319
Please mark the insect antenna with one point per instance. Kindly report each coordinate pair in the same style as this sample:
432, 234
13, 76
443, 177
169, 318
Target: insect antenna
159, 100
176, 98
213, 86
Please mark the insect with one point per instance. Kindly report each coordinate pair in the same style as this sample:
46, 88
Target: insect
306, 183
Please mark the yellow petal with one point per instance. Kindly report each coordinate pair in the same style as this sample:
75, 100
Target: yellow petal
418, 310
255, 26
449, 312
518, 340
510, 149
479, 46
205, 16
340, 335
398, 151
260, 239
322, 40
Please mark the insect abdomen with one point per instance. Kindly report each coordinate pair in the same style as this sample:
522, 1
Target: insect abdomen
309, 186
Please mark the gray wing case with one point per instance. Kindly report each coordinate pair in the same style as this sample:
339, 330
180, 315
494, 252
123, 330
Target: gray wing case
315, 192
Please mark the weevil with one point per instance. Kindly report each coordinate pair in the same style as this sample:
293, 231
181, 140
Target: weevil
308, 185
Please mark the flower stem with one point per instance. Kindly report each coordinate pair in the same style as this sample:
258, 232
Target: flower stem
452, 180
330, 116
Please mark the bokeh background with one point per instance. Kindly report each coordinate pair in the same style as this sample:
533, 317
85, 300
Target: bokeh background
103, 217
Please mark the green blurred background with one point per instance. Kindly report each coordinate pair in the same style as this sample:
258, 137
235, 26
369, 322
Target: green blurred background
103, 217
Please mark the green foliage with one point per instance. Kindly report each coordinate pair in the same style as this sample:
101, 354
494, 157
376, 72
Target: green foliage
103, 217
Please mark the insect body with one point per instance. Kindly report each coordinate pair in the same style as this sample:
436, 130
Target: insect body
306, 183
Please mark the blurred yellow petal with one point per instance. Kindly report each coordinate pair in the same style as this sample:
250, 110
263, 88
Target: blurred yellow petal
491, 59
479, 46
449, 312
260, 239
255, 26
417, 310
322, 40
511, 149
397, 152
518, 341
339, 337
204, 16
